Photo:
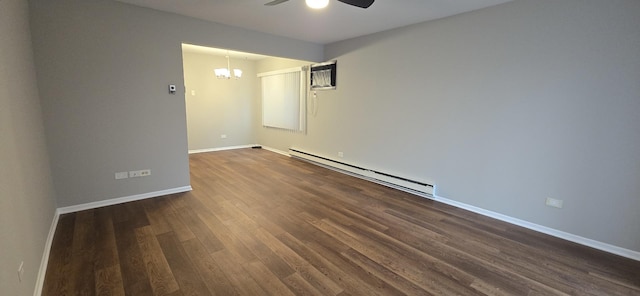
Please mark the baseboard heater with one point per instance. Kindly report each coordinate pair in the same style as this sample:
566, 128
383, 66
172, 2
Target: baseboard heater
400, 183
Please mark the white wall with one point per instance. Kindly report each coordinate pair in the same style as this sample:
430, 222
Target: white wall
27, 197
218, 106
501, 108
103, 70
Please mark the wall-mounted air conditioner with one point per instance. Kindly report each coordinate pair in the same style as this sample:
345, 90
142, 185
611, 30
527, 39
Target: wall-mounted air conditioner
323, 76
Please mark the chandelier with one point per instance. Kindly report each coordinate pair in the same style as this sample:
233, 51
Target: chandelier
225, 73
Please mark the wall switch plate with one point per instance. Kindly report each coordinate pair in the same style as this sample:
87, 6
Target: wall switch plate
122, 175
552, 202
223, 136
340, 154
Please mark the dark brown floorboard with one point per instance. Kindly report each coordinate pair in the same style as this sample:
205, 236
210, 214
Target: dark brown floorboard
258, 223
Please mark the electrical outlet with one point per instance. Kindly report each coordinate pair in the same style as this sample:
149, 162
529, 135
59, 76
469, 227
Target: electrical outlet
21, 271
340, 154
140, 173
552, 202
122, 175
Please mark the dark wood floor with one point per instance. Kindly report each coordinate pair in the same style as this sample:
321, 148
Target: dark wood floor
258, 223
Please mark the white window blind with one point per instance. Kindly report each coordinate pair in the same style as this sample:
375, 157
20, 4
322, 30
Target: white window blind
283, 99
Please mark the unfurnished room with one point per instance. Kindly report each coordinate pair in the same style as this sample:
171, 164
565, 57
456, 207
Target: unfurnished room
320, 147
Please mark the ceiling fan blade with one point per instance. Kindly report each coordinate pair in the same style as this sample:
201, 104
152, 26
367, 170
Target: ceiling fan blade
275, 2
358, 3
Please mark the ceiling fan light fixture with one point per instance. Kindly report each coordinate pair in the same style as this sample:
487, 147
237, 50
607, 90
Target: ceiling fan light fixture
317, 4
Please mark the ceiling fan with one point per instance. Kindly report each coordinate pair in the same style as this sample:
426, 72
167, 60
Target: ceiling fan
357, 3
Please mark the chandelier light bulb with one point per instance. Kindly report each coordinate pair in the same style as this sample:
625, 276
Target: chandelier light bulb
237, 73
225, 73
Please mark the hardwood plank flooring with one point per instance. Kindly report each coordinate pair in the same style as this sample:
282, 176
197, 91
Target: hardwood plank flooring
258, 223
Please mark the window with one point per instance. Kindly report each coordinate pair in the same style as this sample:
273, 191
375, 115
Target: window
283, 99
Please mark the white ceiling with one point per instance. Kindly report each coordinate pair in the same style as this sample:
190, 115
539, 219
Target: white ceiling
337, 22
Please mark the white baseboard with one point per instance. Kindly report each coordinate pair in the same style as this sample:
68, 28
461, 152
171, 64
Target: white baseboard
276, 151
115, 201
238, 147
219, 149
45, 255
546, 230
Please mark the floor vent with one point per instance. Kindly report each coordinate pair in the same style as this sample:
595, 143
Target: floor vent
412, 186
